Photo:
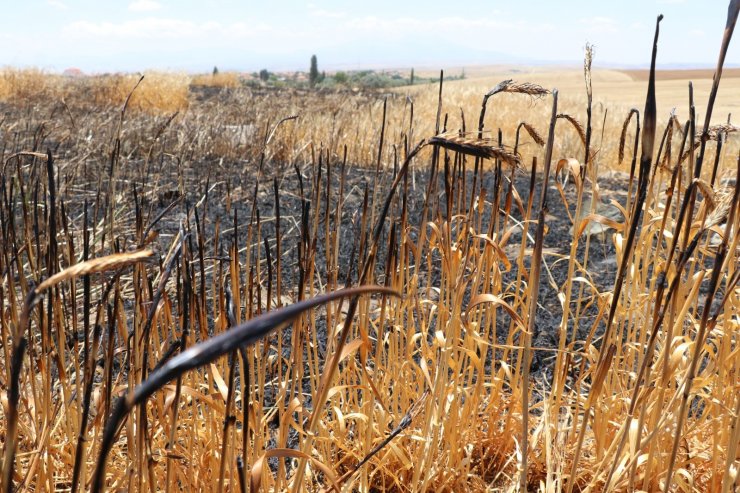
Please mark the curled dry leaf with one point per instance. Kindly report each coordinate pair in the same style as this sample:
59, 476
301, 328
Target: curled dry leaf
258, 467
603, 220
567, 167
497, 301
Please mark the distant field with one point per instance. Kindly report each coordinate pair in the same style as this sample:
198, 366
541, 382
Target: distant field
688, 74
617, 90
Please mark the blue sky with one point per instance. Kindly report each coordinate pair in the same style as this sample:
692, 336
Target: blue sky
191, 35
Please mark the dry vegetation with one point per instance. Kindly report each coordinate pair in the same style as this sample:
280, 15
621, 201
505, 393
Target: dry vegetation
152, 259
219, 79
682, 74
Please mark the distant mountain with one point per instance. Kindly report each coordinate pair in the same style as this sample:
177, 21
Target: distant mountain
384, 53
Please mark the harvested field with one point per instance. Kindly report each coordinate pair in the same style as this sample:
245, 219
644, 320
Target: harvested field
683, 74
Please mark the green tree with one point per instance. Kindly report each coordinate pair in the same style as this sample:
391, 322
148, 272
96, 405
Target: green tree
264, 75
313, 74
215, 70
411, 83
341, 77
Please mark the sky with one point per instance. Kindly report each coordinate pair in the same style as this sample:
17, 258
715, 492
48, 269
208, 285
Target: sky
190, 35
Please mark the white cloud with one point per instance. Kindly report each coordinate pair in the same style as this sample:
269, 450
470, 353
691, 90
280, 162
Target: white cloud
697, 33
144, 6
57, 4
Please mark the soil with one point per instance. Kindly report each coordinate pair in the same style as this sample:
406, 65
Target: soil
557, 243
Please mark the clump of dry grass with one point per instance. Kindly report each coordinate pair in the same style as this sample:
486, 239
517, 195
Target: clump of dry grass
21, 84
158, 92
220, 79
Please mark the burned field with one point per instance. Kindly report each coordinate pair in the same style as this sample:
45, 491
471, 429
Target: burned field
236, 289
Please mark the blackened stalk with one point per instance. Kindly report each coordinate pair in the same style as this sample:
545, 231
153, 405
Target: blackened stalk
648, 142
278, 268
229, 418
91, 351
88, 352
186, 293
534, 284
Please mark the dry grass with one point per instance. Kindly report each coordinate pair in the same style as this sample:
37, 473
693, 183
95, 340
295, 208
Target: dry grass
350, 119
220, 79
683, 74
157, 93
19, 85
173, 375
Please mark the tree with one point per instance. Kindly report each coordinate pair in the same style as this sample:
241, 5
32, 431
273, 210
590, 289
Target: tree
411, 83
313, 74
341, 77
215, 70
264, 75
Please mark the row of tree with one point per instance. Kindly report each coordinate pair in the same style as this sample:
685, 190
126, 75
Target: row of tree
363, 78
